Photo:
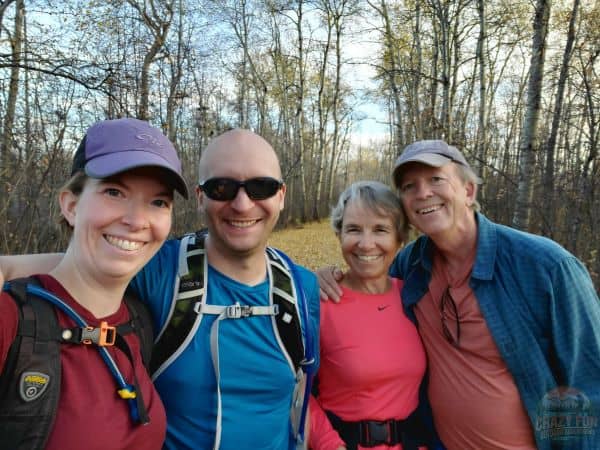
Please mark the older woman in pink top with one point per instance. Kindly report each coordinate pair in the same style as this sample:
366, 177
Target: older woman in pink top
372, 359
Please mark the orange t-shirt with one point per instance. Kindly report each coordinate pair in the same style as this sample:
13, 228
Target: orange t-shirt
475, 402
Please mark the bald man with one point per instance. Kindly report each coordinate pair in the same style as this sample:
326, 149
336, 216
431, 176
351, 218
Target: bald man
229, 382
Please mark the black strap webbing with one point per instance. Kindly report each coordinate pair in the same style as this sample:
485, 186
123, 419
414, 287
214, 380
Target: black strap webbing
183, 317
140, 323
25, 424
410, 432
288, 326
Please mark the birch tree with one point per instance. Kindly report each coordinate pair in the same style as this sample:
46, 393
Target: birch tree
529, 142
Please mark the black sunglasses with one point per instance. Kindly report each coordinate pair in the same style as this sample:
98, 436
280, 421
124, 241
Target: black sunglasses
226, 189
448, 307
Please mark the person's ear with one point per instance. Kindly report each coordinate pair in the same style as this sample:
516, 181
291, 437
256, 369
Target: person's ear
281, 194
199, 198
471, 192
68, 205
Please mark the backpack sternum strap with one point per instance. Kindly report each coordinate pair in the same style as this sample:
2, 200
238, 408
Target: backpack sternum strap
236, 311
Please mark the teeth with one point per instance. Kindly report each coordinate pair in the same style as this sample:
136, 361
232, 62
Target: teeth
429, 210
242, 223
367, 257
123, 244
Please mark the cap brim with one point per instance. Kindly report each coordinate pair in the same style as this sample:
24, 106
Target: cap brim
429, 159
115, 163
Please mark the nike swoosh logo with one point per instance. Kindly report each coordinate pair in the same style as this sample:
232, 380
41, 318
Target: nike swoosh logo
381, 308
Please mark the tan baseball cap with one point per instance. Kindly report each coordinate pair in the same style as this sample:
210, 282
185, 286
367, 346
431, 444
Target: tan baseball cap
435, 153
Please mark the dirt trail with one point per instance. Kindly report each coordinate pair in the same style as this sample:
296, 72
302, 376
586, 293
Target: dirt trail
312, 245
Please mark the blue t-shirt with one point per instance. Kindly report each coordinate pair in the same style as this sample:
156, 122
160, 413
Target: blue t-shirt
256, 380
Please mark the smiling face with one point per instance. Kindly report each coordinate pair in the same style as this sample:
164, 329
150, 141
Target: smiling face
118, 223
239, 228
437, 201
369, 242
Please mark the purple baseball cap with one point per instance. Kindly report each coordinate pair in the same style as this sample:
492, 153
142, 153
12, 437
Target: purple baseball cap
435, 153
113, 146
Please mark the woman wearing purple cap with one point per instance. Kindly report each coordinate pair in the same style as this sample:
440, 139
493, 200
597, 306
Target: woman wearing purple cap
117, 206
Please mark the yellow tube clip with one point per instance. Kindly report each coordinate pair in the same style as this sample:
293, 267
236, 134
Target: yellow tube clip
126, 394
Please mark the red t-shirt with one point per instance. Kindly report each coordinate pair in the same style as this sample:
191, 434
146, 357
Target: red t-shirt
473, 395
372, 363
90, 413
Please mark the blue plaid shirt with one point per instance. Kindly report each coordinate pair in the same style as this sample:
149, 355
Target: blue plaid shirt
543, 313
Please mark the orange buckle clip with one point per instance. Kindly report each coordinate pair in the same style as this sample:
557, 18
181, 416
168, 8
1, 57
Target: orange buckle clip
104, 335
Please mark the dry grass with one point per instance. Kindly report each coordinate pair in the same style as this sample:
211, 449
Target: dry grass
312, 245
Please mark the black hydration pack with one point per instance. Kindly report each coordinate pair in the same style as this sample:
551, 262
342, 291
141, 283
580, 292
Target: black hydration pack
31, 378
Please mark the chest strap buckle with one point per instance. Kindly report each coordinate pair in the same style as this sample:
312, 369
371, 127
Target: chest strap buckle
102, 335
238, 311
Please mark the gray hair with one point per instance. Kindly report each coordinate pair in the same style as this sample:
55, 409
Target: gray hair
466, 174
376, 197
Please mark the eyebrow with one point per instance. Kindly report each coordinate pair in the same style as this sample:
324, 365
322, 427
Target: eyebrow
116, 179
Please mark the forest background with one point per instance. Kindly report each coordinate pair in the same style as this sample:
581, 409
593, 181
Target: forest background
513, 83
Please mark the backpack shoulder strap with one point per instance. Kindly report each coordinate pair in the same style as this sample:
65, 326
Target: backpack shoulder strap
183, 319
293, 326
30, 380
141, 324
288, 322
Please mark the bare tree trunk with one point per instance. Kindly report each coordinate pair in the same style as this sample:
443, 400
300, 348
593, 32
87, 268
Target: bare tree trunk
583, 189
322, 110
337, 142
481, 57
240, 24
13, 90
442, 12
159, 27
528, 144
391, 71
285, 126
548, 181
416, 78
5, 4
299, 114
433, 129
176, 65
